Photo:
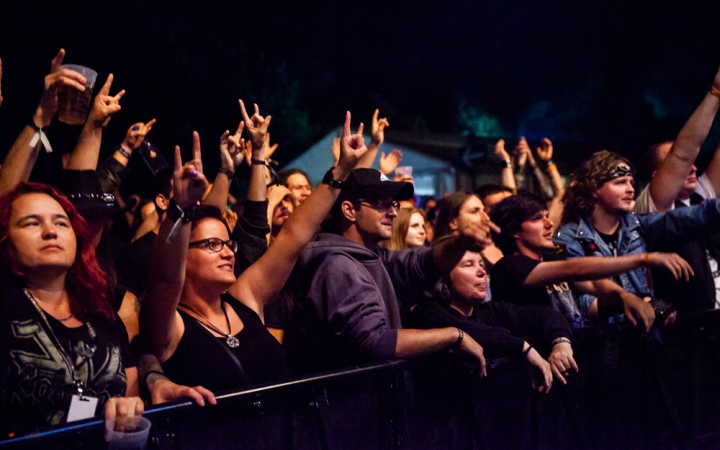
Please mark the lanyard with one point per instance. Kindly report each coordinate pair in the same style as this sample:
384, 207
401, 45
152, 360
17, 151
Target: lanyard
80, 359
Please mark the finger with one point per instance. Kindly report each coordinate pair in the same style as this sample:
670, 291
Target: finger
197, 154
382, 156
178, 161
267, 124
240, 128
224, 136
257, 110
105, 90
346, 126
375, 116
57, 61
244, 113
149, 125
558, 375
360, 129
110, 409
119, 95
207, 393
139, 406
574, 365
494, 227
631, 318
193, 395
483, 367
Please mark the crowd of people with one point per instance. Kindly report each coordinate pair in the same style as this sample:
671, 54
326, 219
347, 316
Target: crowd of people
134, 281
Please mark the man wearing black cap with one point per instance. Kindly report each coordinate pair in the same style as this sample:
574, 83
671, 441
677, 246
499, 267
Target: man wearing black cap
347, 291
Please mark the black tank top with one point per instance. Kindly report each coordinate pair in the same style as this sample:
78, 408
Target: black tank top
200, 361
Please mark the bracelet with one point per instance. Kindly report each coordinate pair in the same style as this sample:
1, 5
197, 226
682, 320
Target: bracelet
228, 172
258, 162
330, 180
508, 164
530, 347
714, 92
646, 258
551, 168
561, 340
461, 335
39, 136
123, 151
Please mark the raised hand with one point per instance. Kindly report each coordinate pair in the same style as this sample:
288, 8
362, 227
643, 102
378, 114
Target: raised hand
189, 182
105, 105
257, 126
678, 267
335, 149
522, 151
135, 135
269, 149
390, 162
232, 148
546, 151
500, 151
352, 147
378, 130
561, 361
57, 77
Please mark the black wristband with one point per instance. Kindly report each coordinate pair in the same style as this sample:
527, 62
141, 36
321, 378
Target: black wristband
461, 335
175, 212
229, 173
530, 347
257, 162
124, 152
330, 180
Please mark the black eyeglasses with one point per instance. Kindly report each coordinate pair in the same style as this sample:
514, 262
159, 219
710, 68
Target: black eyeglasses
382, 205
215, 245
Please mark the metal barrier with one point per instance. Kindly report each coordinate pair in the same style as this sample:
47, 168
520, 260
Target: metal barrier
633, 391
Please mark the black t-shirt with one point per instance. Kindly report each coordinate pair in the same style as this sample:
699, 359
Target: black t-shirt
508, 285
133, 266
200, 361
37, 385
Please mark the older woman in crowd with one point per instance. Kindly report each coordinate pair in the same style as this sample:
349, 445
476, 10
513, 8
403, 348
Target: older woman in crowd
61, 343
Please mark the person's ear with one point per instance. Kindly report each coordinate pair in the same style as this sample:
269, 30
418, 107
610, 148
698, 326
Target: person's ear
162, 202
348, 210
453, 224
653, 174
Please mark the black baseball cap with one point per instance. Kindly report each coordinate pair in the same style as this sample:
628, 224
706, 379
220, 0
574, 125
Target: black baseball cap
371, 185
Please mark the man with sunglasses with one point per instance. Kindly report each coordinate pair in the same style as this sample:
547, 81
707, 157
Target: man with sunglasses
348, 292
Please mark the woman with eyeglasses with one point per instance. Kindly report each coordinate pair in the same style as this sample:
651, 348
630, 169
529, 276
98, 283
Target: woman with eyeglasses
204, 324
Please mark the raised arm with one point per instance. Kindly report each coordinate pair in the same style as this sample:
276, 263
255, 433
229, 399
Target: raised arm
507, 178
274, 267
87, 150
231, 156
159, 321
545, 153
377, 129
671, 174
597, 267
22, 156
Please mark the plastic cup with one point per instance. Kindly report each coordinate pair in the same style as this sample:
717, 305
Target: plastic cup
72, 104
135, 436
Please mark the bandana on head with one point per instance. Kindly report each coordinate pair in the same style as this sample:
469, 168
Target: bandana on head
620, 170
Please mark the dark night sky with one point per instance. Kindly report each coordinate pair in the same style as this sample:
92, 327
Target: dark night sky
613, 74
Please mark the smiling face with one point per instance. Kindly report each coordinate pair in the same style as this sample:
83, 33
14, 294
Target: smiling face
299, 188
535, 235
41, 235
201, 264
467, 279
471, 211
415, 236
617, 195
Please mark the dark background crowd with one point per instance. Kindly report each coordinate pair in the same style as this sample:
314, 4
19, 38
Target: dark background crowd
617, 75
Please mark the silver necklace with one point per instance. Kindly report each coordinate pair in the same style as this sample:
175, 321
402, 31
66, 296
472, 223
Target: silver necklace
230, 340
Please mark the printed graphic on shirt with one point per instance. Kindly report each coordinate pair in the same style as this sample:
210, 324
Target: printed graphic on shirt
39, 375
562, 299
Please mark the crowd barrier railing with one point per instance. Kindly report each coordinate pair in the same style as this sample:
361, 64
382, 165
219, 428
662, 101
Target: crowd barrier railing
633, 391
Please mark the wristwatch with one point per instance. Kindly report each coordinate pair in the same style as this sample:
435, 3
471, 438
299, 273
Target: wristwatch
331, 181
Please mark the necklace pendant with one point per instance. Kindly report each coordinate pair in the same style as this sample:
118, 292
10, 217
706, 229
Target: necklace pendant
232, 341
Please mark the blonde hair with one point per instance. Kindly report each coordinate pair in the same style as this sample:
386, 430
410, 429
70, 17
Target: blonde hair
400, 227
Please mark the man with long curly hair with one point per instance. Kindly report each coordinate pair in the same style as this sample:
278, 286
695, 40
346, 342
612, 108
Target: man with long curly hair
598, 221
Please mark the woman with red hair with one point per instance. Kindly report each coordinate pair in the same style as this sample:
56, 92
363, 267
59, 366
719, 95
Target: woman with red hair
64, 355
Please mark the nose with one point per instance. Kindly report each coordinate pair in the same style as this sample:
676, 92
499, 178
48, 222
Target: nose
548, 223
49, 231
